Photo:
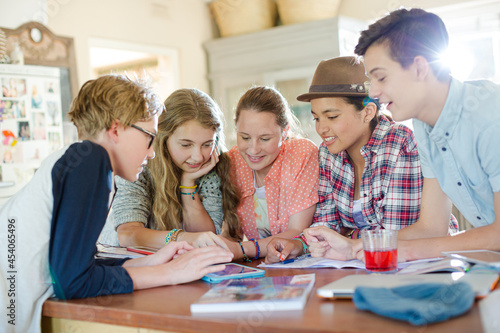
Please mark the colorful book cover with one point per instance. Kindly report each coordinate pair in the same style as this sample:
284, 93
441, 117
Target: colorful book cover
277, 293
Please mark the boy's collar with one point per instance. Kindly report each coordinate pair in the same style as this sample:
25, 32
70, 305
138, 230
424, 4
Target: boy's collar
437, 96
451, 111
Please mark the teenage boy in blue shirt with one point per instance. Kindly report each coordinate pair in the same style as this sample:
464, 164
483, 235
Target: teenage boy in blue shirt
50, 227
457, 126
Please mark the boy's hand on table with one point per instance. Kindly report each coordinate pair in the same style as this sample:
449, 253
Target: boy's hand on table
196, 263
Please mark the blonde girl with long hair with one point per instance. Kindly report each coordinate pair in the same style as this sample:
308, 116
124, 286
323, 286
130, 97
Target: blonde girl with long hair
183, 194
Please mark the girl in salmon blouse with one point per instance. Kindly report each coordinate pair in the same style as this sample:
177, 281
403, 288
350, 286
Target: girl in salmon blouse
274, 170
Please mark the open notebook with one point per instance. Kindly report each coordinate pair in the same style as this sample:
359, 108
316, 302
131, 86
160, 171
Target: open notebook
481, 283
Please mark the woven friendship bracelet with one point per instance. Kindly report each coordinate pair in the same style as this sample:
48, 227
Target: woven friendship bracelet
176, 234
354, 234
168, 238
349, 234
305, 247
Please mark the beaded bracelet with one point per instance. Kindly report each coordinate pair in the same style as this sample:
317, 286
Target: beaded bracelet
176, 234
257, 247
191, 193
305, 247
168, 238
245, 257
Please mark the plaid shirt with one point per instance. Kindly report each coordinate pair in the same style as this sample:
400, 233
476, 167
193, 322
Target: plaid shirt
391, 185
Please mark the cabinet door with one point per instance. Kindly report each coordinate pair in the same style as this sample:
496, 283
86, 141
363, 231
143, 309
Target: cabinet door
292, 83
227, 93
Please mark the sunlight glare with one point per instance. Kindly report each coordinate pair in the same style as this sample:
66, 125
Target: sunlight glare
460, 60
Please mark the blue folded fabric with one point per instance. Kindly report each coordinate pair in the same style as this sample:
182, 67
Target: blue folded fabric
418, 304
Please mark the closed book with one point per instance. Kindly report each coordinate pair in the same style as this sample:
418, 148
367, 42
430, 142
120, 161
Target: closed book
277, 293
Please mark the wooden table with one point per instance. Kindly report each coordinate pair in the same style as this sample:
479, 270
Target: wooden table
167, 309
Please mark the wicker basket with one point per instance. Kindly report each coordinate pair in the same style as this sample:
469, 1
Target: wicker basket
296, 11
236, 17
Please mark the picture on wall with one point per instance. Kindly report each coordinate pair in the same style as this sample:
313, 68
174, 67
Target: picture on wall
30, 119
13, 87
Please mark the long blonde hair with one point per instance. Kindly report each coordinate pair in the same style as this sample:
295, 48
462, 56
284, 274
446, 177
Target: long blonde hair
181, 106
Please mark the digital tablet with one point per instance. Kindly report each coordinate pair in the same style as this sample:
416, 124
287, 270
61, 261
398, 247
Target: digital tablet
233, 271
484, 257
142, 249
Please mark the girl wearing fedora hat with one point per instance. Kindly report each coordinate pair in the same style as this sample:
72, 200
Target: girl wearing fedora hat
275, 172
370, 175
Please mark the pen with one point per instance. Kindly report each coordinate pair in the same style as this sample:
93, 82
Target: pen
287, 261
293, 259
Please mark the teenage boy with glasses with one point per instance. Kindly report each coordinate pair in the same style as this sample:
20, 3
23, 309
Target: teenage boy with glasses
53, 240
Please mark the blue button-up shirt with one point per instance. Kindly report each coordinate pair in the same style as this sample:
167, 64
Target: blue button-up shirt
462, 150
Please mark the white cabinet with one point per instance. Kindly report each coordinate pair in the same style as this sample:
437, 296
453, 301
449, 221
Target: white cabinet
284, 57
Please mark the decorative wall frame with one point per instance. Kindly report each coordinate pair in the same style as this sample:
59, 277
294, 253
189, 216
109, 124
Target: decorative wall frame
43, 48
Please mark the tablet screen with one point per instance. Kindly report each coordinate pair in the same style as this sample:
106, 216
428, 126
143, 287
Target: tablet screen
232, 269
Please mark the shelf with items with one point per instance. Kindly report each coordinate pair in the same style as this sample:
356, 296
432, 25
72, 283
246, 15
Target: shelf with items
284, 57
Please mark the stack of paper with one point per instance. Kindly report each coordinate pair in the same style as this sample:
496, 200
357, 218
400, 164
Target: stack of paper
309, 262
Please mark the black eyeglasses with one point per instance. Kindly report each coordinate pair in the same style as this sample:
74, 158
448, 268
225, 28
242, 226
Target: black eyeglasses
152, 136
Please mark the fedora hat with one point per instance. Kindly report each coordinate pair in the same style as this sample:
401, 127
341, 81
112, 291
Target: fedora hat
341, 76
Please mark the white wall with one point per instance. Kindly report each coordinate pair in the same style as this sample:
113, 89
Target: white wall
371, 10
181, 24
13, 13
